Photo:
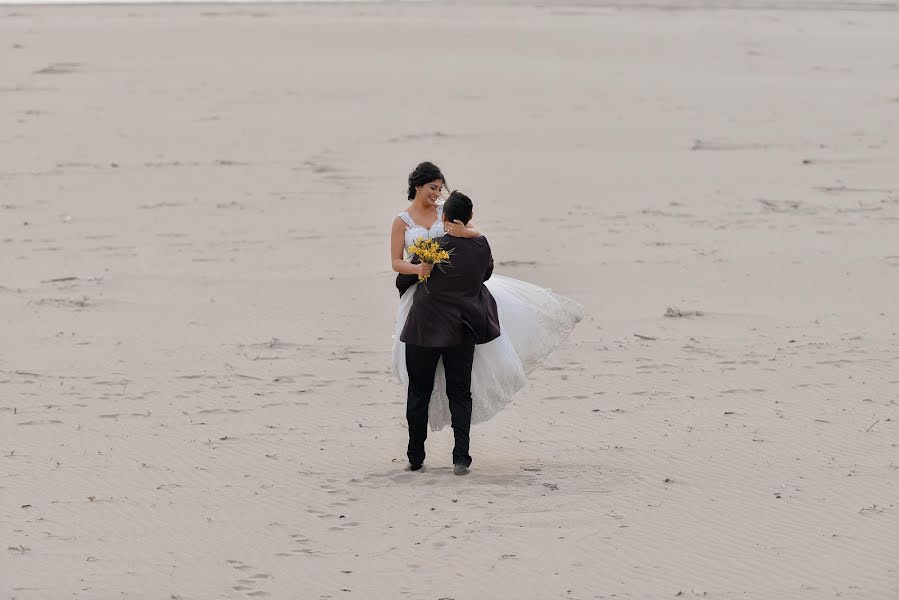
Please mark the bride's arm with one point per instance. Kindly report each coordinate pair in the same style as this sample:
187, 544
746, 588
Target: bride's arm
457, 229
397, 241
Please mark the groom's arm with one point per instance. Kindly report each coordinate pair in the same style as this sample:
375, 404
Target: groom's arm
489, 270
405, 281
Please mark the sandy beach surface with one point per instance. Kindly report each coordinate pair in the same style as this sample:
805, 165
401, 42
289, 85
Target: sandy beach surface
196, 300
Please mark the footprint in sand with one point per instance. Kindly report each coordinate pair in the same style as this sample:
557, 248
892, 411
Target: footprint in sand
247, 584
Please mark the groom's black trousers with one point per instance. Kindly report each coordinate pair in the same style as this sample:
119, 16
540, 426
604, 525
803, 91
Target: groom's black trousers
421, 364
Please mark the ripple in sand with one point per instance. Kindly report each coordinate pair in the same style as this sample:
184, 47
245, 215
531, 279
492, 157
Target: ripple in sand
725, 145
60, 68
77, 303
417, 137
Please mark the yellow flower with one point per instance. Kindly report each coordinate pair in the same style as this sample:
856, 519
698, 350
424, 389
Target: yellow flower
429, 252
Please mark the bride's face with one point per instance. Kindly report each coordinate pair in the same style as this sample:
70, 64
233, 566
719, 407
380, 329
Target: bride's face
429, 192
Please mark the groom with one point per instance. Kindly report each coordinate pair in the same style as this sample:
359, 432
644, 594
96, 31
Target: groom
449, 315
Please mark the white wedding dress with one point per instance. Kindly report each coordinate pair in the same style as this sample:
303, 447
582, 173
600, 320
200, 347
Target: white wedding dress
533, 322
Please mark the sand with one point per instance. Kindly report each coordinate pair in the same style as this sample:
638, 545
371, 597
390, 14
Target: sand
197, 300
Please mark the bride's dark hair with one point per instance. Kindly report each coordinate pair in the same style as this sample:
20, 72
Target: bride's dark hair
424, 173
458, 207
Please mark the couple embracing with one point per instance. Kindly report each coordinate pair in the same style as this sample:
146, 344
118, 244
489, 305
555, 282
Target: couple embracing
466, 339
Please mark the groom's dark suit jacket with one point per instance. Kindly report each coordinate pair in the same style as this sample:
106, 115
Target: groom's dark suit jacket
455, 307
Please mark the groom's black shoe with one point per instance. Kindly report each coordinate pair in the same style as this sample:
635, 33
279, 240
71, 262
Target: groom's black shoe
412, 467
460, 469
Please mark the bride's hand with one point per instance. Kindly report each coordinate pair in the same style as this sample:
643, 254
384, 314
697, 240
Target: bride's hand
458, 229
424, 269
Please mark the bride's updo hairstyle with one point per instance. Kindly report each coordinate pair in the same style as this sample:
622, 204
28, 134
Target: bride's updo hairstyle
424, 173
458, 207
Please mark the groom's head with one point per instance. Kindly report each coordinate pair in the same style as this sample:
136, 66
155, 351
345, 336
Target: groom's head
457, 207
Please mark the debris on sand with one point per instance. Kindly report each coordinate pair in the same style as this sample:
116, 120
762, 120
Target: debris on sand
674, 313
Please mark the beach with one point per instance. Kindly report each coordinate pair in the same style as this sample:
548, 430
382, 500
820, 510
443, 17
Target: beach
197, 300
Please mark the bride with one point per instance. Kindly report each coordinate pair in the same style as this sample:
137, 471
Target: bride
533, 320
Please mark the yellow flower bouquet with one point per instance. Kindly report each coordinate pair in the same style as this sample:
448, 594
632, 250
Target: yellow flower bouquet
430, 252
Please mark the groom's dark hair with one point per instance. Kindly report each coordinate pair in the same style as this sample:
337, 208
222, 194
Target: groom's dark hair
458, 207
